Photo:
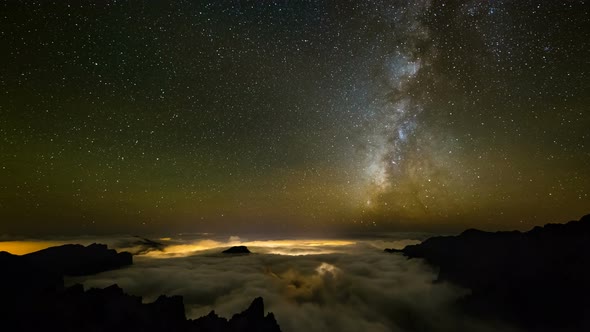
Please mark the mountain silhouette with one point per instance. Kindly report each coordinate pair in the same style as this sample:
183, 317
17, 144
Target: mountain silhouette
237, 250
34, 298
539, 280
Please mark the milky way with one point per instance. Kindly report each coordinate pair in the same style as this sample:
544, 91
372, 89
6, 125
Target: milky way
285, 116
393, 122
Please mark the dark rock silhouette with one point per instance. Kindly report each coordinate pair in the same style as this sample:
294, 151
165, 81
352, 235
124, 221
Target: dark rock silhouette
138, 245
539, 280
253, 319
77, 260
34, 298
250, 320
237, 250
43, 271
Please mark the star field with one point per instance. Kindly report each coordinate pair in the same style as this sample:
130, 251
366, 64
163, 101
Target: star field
292, 115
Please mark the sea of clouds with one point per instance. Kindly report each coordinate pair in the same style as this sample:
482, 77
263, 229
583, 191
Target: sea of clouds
310, 285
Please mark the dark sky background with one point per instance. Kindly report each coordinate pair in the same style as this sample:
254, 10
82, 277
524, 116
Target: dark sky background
292, 116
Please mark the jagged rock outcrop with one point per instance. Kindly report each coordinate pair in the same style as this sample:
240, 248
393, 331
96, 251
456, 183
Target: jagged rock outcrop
237, 250
250, 320
34, 298
253, 319
110, 309
538, 279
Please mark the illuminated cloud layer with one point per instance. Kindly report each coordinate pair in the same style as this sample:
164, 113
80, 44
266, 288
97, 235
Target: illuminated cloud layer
335, 286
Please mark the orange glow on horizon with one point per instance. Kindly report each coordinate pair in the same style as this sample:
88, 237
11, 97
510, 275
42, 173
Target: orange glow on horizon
298, 247
26, 247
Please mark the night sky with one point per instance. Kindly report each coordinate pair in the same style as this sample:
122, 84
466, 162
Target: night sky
288, 116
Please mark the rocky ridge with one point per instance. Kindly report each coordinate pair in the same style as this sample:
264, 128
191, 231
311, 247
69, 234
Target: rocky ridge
34, 298
538, 280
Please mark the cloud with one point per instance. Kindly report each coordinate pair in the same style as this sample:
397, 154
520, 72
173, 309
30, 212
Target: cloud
234, 239
347, 286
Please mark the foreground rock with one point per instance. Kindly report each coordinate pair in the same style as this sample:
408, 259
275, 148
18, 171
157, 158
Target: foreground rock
539, 279
237, 250
252, 319
34, 298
